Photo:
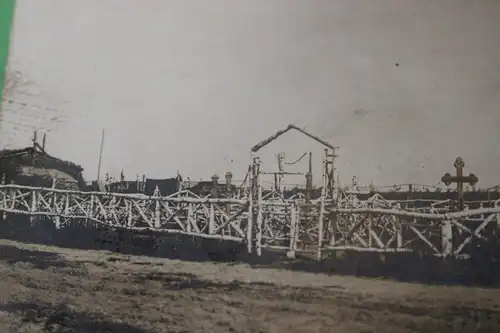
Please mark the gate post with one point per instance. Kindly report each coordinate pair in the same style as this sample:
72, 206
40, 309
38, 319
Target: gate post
322, 208
250, 209
293, 232
259, 211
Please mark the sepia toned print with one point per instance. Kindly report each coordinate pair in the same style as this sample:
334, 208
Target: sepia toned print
278, 166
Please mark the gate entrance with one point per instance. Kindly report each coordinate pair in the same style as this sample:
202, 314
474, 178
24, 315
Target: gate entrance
290, 219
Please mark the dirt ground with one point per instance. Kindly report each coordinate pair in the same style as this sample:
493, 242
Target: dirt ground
49, 289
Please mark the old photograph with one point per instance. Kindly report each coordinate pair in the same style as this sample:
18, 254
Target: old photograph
245, 166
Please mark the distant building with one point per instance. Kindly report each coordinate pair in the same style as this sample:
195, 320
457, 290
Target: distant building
166, 186
214, 188
125, 186
34, 167
207, 188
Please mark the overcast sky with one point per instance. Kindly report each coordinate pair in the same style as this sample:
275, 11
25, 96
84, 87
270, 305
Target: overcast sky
403, 87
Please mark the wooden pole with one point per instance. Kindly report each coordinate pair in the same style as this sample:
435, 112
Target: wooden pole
331, 187
34, 139
34, 152
250, 207
100, 156
44, 141
293, 233
322, 208
259, 211
309, 180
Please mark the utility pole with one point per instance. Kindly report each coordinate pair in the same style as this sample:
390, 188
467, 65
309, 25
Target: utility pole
100, 156
34, 140
33, 156
44, 141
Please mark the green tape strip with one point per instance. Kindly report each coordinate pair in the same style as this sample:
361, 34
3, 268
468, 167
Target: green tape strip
6, 18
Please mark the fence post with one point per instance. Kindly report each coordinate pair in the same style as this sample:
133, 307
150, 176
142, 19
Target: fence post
211, 220
56, 209
157, 214
446, 238
293, 232
399, 232
370, 225
250, 210
322, 208
259, 214
33, 205
321, 226
189, 217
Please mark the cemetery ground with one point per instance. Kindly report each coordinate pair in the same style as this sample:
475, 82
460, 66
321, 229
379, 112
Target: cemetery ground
51, 289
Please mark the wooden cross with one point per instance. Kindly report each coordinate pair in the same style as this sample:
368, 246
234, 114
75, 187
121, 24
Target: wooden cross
459, 179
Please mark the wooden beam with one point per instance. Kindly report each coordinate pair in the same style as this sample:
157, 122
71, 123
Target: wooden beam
279, 133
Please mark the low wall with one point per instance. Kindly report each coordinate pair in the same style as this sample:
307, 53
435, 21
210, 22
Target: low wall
89, 235
482, 269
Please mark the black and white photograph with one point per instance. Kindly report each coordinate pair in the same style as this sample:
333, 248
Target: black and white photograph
249, 166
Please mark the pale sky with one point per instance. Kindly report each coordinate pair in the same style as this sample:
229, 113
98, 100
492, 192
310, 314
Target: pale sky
402, 87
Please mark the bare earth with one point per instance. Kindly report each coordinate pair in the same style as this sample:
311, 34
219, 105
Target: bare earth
48, 289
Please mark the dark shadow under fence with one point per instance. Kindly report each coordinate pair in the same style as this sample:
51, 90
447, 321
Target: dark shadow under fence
483, 268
